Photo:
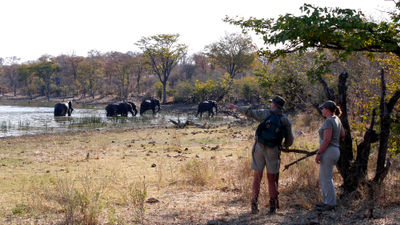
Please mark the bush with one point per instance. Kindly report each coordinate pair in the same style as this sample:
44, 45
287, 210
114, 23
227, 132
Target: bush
184, 91
196, 172
247, 89
212, 89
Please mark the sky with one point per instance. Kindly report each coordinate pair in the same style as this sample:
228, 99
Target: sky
32, 28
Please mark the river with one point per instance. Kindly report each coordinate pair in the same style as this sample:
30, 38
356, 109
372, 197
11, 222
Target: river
18, 120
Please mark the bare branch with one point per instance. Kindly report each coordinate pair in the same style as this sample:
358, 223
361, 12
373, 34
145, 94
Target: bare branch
298, 151
302, 158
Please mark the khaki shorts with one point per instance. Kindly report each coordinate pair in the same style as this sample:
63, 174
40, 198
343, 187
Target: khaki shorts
264, 156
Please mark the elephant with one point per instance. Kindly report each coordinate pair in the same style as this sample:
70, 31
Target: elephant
207, 106
149, 104
121, 109
62, 109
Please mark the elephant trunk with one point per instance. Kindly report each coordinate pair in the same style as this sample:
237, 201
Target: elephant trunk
134, 112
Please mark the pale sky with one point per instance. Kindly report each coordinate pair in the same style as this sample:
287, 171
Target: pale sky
32, 28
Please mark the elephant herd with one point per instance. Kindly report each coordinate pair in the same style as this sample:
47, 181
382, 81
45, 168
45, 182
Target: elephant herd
122, 109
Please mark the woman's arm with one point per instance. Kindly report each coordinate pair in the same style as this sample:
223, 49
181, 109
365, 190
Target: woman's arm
325, 143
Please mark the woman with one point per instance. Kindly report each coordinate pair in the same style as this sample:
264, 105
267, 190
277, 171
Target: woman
328, 154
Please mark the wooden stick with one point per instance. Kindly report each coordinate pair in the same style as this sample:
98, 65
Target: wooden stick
302, 158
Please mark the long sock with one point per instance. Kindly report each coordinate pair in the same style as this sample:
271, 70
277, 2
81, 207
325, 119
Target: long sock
256, 183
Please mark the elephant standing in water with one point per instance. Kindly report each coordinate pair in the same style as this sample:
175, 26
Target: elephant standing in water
207, 106
150, 104
62, 109
122, 109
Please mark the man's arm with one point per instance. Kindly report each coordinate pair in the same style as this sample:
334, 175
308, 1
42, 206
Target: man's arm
288, 134
257, 114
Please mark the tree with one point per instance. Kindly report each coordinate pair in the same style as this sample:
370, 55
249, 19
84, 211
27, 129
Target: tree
90, 71
10, 73
164, 52
344, 31
45, 70
234, 52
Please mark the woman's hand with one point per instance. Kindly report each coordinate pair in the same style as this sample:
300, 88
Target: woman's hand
317, 159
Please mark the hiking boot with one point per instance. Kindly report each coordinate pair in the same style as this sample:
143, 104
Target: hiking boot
326, 207
254, 206
273, 205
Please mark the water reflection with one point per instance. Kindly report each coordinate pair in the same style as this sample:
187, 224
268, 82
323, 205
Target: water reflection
16, 120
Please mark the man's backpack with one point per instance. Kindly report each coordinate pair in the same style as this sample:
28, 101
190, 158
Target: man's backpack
270, 131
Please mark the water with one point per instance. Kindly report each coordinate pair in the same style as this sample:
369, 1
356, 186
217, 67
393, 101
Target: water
17, 120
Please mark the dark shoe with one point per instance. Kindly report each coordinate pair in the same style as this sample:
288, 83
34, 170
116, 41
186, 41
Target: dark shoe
320, 204
326, 207
273, 202
254, 206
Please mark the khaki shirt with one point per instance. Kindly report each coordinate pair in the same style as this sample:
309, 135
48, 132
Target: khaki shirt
262, 114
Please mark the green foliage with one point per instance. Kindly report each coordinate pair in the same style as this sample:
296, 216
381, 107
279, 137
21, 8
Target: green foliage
184, 91
163, 52
89, 72
234, 53
342, 30
391, 64
247, 88
212, 89
287, 79
159, 87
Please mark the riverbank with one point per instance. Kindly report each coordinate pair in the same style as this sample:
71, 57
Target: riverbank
98, 102
163, 176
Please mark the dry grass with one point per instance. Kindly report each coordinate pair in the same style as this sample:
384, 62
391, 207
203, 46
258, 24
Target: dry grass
192, 175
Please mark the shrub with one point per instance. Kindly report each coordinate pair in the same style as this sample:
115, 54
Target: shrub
196, 172
212, 89
183, 91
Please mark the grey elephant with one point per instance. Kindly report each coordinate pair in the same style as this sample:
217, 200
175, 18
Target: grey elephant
148, 104
121, 109
62, 109
207, 106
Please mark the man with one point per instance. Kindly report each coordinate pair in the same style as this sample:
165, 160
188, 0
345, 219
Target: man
274, 127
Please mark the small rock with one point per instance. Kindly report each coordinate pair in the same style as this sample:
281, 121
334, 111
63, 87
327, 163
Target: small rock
112, 141
152, 200
212, 157
186, 149
229, 155
197, 156
214, 148
153, 165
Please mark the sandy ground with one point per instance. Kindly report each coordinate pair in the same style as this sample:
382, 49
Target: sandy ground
132, 153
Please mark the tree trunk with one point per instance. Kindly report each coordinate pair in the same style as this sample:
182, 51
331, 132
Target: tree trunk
382, 166
346, 147
359, 169
164, 97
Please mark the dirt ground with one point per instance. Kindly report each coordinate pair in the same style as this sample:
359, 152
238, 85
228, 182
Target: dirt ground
192, 176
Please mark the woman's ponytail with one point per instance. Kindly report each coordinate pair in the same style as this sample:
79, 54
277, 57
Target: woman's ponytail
338, 111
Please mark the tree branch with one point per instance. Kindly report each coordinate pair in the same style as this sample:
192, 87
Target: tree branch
302, 158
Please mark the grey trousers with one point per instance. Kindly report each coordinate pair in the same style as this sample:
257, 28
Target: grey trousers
329, 158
